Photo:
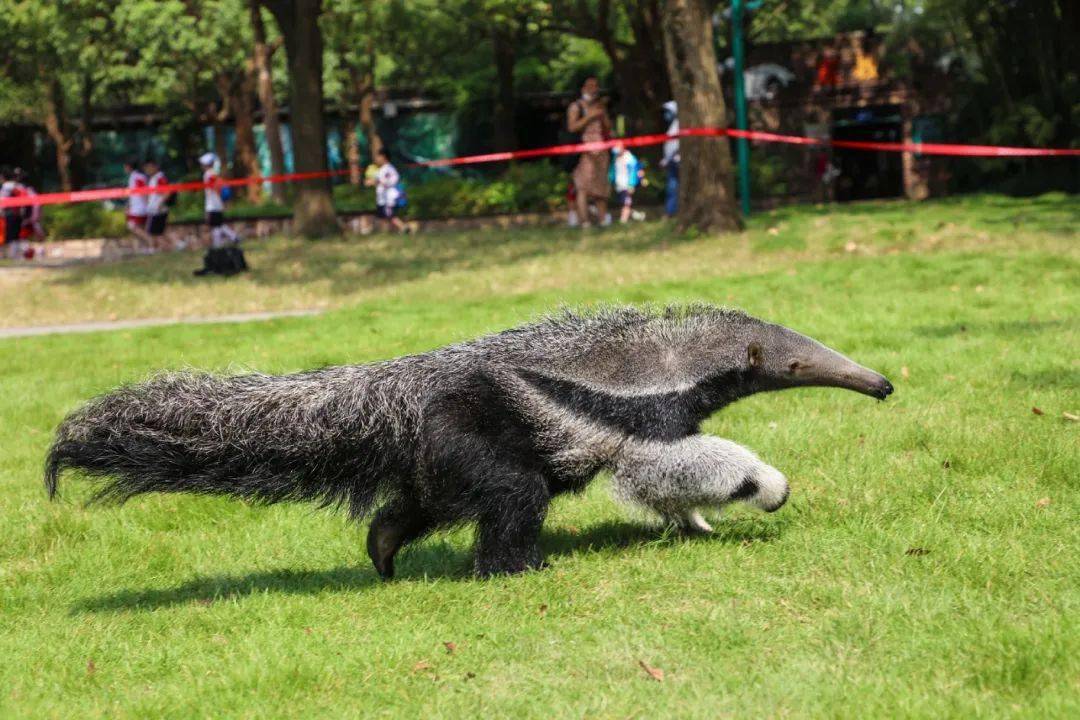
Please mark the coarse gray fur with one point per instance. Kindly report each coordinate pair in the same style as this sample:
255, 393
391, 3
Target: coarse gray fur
485, 431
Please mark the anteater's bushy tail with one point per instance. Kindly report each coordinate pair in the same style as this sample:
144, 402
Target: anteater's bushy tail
314, 436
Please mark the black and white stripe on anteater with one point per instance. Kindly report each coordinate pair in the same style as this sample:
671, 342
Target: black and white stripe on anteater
485, 431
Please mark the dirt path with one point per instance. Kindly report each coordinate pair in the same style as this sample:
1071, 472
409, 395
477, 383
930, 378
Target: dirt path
86, 327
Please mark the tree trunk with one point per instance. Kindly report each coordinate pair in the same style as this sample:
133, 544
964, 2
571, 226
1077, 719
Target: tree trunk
246, 159
505, 133
706, 181
313, 208
56, 127
264, 80
363, 85
352, 151
84, 146
221, 145
367, 118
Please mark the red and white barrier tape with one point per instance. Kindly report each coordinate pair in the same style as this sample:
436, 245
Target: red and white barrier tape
944, 149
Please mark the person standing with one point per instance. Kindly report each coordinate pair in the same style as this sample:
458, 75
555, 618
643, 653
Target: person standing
387, 191
136, 206
626, 174
156, 203
588, 117
670, 160
31, 220
224, 257
10, 188
220, 233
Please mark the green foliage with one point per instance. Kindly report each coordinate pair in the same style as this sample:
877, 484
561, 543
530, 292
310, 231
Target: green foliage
525, 187
82, 220
769, 175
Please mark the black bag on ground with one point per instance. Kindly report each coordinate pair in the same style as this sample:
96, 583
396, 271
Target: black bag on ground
223, 261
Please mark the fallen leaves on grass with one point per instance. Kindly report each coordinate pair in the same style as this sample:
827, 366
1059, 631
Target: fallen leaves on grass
1070, 416
1037, 411
904, 372
916, 551
421, 666
91, 668
655, 673
450, 647
543, 608
1042, 502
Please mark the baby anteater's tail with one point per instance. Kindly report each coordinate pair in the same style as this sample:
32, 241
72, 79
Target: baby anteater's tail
262, 438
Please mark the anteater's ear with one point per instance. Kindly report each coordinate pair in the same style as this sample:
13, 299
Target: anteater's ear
755, 354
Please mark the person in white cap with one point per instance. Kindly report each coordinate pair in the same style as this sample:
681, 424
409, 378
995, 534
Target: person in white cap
220, 233
224, 256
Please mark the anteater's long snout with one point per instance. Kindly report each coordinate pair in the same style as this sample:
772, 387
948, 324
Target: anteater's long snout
828, 368
867, 382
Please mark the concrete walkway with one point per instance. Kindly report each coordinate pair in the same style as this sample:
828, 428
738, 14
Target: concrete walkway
149, 322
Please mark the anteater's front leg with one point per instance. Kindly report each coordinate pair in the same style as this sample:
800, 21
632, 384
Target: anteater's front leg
481, 465
508, 528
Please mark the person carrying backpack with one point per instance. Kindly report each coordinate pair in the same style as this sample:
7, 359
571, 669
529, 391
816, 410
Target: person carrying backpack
224, 256
627, 173
388, 193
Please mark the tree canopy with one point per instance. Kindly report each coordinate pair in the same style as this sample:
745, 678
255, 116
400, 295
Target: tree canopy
69, 64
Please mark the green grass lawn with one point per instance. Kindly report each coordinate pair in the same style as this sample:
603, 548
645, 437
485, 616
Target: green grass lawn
926, 564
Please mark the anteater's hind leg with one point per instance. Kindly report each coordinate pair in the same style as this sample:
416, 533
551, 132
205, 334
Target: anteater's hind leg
395, 525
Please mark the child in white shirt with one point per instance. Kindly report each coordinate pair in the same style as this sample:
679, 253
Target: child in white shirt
157, 209
137, 205
387, 193
220, 233
626, 174
224, 256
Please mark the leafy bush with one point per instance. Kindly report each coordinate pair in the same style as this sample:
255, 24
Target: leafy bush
532, 187
82, 220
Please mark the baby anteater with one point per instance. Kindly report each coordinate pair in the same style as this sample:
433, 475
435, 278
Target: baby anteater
486, 431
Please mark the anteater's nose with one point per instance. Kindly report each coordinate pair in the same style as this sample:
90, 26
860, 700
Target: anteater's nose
885, 389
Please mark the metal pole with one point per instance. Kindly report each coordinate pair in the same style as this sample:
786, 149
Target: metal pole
741, 145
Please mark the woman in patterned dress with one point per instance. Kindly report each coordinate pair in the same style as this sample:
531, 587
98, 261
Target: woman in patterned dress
588, 117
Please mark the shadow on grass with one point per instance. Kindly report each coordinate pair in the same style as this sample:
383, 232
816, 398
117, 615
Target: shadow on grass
428, 560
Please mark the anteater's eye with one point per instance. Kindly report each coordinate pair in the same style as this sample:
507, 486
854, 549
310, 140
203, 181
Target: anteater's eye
794, 366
